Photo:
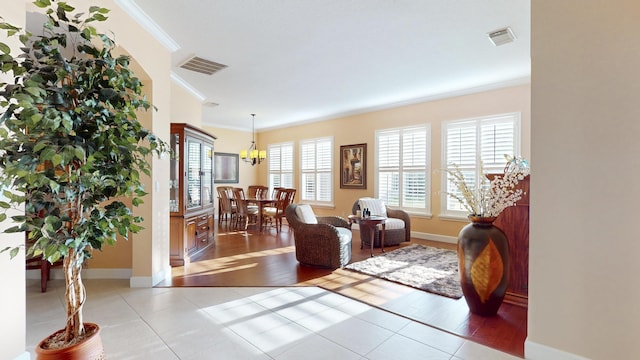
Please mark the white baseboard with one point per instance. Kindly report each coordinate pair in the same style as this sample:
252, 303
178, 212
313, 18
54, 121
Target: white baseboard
435, 237
425, 236
134, 281
535, 351
56, 273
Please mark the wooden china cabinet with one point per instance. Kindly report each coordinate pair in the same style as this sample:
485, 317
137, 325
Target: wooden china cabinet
514, 221
191, 192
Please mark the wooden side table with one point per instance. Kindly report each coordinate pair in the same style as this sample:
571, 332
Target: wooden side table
371, 222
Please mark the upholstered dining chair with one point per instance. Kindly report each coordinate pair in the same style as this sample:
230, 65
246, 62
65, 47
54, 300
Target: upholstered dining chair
275, 214
244, 212
398, 224
320, 241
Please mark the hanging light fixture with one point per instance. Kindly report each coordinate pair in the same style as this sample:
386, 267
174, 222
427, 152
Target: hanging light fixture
252, 155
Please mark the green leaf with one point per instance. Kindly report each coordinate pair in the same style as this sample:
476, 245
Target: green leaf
5, 48
42, 3
33, 91
99, 17
14, 252
3, 217
57, 159
66, 7
36, 118
4, 205
79, 152
40, 145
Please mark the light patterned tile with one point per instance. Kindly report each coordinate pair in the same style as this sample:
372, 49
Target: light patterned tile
316, 347
357, 335
473, 351
432, 337
400, 347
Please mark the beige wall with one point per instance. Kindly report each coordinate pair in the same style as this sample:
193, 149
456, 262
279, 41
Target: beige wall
232, 141
150, 246
584, 246
361, 128
185, 107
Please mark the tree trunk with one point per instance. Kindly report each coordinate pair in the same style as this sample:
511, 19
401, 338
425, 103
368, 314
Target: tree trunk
74, 295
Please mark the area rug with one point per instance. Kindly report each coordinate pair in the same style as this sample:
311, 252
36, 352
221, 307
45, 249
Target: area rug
422, 267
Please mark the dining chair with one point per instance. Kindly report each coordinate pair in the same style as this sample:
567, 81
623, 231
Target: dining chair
244, 212
256, 191
276, 213
227, 208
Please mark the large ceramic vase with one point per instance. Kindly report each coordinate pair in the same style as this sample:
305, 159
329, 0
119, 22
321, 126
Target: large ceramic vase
483, 258
88, 349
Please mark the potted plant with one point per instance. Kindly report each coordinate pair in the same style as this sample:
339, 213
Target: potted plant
72, 150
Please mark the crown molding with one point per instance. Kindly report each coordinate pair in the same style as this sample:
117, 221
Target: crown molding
145, 21
180, 81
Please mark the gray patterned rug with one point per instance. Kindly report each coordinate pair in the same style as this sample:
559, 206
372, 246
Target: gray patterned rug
422, 267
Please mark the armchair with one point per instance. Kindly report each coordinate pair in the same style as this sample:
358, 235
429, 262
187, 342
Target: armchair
398, 225
323, 241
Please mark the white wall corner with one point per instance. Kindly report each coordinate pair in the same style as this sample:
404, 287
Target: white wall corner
535, 351
150, 281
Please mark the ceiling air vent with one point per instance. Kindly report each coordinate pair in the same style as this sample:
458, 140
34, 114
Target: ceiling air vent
201, 65
502, 36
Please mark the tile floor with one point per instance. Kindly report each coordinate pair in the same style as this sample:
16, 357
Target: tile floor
244, 323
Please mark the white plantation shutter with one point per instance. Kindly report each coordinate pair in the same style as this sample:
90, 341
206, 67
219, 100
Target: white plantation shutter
403, 168
316, 163
280, 159
388, 160
470, 143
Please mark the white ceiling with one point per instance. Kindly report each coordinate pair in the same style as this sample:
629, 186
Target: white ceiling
292, 61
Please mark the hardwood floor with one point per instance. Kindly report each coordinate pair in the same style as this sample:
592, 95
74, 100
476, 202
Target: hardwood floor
249, 258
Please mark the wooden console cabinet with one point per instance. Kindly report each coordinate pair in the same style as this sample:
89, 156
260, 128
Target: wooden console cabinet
514, 221
191, 186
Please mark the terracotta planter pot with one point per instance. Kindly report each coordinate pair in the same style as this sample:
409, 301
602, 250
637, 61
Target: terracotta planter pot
89, 349
483, 258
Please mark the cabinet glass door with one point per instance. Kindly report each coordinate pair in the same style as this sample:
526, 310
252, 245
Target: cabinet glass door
174, 176
207, 175
194, 172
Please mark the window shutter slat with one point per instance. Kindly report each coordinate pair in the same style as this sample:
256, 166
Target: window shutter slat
280, 158
470, 143
317, 170
403, 168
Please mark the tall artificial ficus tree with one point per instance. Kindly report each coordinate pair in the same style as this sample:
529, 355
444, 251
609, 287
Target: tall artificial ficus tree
71, 147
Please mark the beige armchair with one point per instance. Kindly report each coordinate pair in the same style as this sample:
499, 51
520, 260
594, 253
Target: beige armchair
398, 225
323, 241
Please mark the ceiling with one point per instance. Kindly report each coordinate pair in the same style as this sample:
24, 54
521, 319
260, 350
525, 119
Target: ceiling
294, 61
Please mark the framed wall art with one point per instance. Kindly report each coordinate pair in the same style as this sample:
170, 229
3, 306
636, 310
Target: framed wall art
225, 168
353, 166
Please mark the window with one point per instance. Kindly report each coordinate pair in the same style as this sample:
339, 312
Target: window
403, 164
280, 157
316, 164
470, 143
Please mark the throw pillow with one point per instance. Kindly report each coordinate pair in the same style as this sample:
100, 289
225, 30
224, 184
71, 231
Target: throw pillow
375, 206
305, 213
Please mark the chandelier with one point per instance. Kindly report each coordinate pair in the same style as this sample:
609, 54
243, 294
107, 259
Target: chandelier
252, 155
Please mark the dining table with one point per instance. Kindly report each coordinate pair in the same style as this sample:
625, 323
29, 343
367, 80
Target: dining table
261, 201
